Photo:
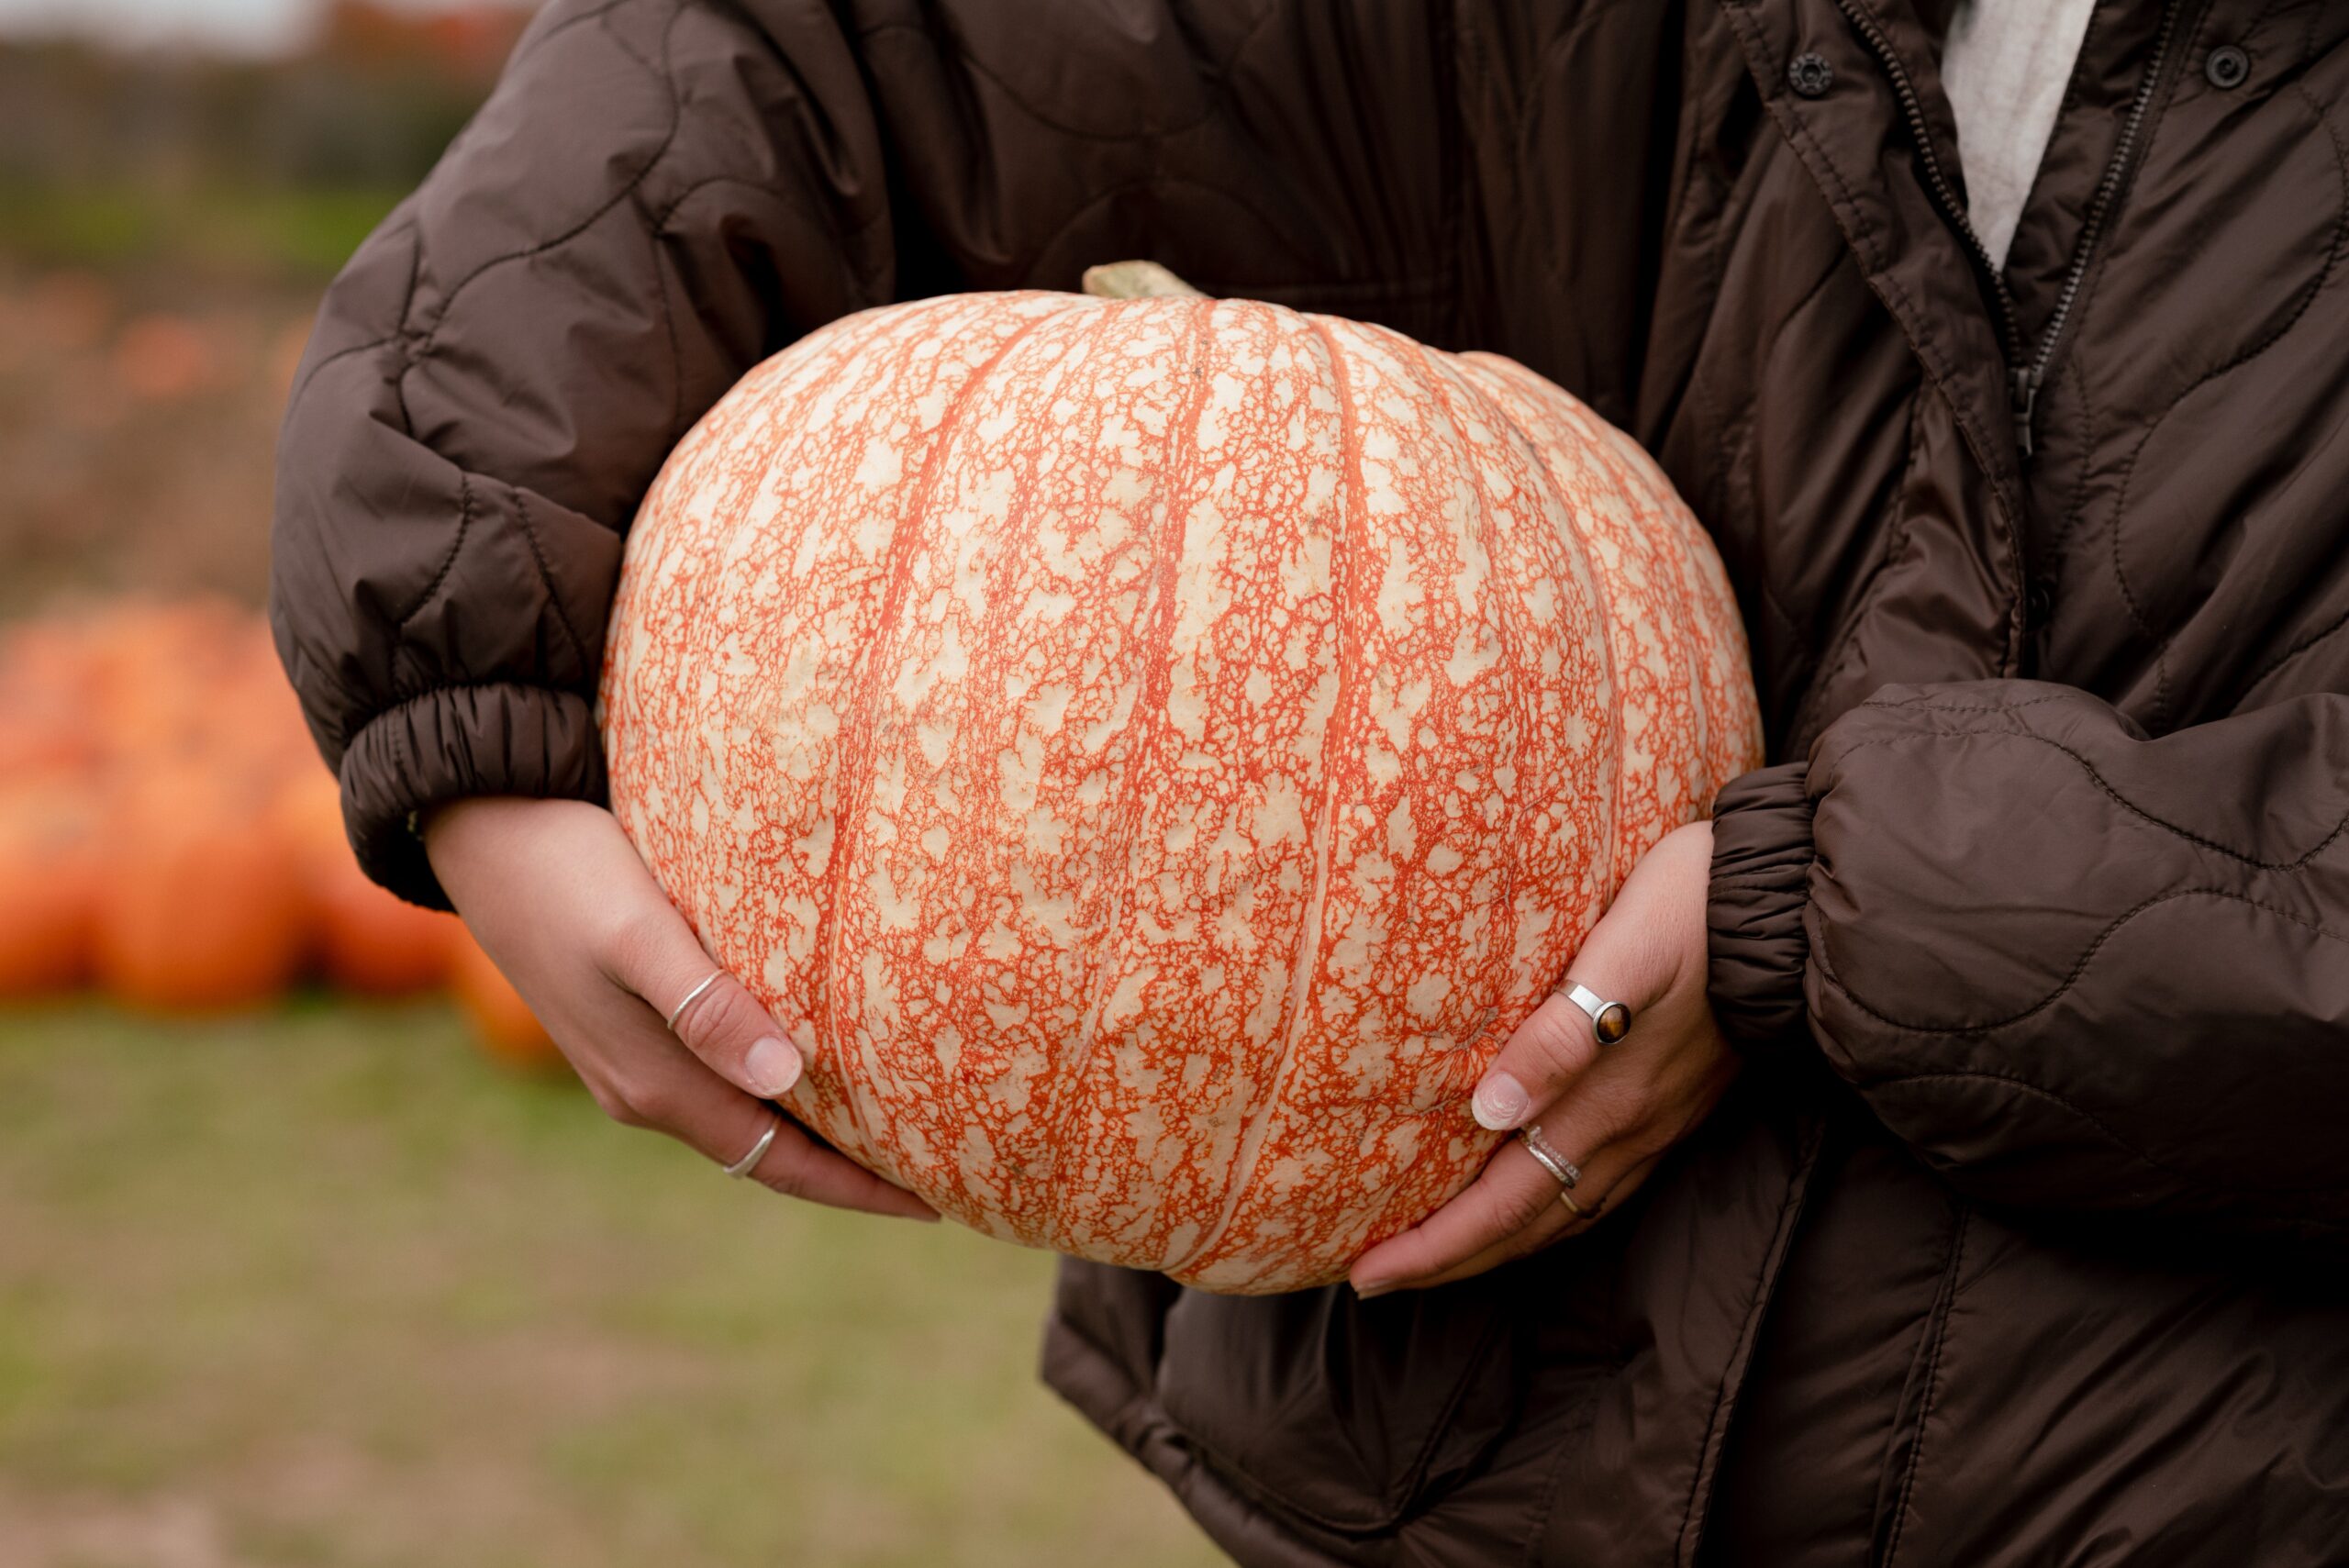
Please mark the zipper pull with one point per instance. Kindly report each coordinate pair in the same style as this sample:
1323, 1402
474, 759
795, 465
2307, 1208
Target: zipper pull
2024, 392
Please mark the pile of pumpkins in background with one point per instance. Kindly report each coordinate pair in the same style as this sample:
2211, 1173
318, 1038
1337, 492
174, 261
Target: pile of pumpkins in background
168, 836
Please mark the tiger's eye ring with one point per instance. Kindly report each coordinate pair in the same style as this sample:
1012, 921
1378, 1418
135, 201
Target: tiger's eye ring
1609, 1021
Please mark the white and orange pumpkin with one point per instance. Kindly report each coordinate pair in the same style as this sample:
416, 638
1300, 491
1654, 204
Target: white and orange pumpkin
1166, 745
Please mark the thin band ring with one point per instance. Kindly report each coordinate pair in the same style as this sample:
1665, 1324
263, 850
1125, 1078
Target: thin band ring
750, 1161
691, 997
1609, 1021
1566, 1171
1573, 1207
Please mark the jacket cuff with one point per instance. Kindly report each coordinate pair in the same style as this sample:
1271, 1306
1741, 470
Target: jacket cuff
1757, 946
507, 739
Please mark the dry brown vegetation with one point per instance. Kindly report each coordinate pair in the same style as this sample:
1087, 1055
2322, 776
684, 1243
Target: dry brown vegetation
137, 422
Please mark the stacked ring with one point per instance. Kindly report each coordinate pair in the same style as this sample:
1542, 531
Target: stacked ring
1566, 1171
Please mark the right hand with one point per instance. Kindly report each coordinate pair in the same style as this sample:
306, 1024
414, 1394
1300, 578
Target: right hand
558, 897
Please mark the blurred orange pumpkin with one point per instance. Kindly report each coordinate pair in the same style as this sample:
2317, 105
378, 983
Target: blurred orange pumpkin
165, 829
50, 871
47, 675
203, 906
184, 679
502, 1021
164, 358
366, 940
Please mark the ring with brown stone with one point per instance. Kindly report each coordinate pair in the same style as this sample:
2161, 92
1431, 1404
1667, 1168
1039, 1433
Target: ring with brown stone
1609, 1021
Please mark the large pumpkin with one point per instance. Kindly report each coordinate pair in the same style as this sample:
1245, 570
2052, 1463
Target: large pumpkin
1165, 744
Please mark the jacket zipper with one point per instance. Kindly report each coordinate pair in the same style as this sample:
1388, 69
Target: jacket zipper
2107, 189
1944, 194
2024, 376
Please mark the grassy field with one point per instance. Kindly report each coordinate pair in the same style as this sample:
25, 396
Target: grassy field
322, 1289
212, 230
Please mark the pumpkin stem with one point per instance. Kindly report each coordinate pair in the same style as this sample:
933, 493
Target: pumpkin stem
1136, 280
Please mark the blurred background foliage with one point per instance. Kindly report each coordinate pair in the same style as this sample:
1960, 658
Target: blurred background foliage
234, 170
167, 218
295, 1275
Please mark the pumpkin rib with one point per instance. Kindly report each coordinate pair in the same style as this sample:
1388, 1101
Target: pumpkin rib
1157, 676
1436, 375
790, 400
1440, 377
1664, 558
1665, 552
1673, 547
857, 766
1603, 608
1343, 571
1705, 595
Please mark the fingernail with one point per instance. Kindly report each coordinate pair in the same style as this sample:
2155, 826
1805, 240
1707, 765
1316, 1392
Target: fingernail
772, 1066
1375, 1288
1501, 1103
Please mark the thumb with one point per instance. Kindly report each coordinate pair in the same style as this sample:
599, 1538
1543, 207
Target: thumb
711, 1012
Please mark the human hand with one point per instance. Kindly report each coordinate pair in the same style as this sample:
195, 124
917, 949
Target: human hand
1614, 1109
556, 894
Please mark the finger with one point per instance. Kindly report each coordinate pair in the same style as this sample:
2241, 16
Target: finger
1513, 1200
1599, 1192
797, 1165
1558, 1044
714, 1014
671, 1091
1601, 1129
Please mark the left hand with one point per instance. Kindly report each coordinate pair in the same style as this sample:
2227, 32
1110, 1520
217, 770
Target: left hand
1613, 1110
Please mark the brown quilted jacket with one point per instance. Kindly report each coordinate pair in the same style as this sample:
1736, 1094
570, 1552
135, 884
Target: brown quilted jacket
2023, 1240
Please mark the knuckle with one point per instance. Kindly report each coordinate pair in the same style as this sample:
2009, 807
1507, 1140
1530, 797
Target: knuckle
1563, 1043
1521, 1206
787, 1168
1613, 1109
1635, 1144
726, 1016
1648, 1139
613, 1103
644, 1102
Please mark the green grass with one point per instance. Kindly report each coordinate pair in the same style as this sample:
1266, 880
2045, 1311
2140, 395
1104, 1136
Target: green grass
323, 1288
240, 232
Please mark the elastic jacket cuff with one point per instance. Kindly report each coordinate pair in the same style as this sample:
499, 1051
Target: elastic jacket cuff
1757, 946
506, 739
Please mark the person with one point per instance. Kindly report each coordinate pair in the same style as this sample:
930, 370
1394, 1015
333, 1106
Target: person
1970, 1187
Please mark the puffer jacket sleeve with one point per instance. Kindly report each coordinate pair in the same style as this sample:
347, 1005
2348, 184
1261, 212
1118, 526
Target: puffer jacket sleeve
659, 194
651, 194
2073, 967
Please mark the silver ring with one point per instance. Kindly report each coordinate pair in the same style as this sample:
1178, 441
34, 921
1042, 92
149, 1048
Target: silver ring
1609, 1021
750, 1161
691, 996
1558, 1165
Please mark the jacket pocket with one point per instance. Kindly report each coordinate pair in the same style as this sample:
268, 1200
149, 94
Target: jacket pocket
1905, 1454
